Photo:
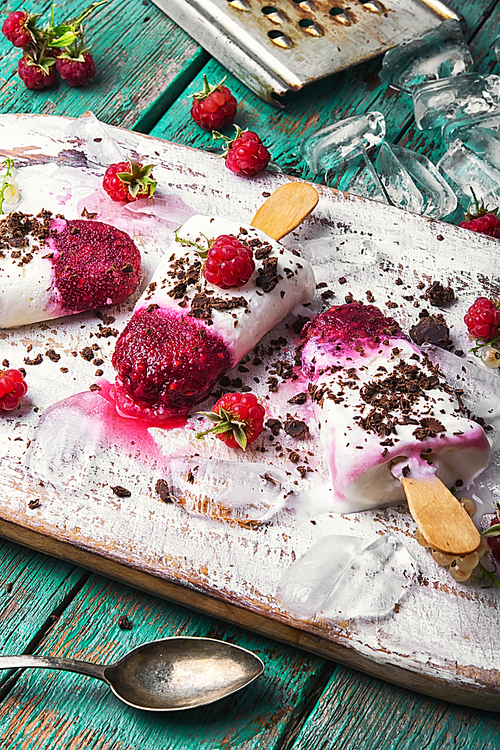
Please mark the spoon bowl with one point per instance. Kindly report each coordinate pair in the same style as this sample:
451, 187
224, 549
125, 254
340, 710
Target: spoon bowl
177, 673
165, 675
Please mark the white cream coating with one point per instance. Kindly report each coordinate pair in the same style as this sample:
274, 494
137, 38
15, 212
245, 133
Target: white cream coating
241, 328
360, 465
27, 294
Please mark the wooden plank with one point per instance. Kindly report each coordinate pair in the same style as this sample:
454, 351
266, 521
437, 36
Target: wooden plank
351, 92
356, 711
32, 587
139, 53
193, 550
64, 710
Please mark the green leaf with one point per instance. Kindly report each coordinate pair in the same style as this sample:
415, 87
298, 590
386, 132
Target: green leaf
492, 531
240, 437
63, 41
211, 415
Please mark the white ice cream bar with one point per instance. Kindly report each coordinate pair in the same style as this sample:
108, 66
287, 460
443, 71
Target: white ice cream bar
50, 267
27, 294
369, 429
269, 295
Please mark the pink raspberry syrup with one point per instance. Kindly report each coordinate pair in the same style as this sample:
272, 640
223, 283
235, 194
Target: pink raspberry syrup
94, 264
167, 363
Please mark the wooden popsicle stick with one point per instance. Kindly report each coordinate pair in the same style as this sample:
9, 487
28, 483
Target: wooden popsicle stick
285, 209
441, 518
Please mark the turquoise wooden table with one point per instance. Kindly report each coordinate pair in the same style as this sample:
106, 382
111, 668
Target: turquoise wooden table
147, 68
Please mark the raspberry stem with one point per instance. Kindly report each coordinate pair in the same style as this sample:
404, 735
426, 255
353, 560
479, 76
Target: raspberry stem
490, 575
202, 251
5, 183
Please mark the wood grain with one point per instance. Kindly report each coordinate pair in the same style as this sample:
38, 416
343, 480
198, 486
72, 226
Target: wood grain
139, 53
81, 710
443, 521
287, 207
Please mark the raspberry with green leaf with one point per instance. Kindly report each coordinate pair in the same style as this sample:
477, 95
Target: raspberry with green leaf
213, 107
483, 220
238, 420
129, 181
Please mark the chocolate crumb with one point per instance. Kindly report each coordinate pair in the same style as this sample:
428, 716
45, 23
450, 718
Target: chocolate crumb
35, 503
36, 361
121, 491
94, 387
405, 471
342, 280
52, 355
433, 330
296, 427
87, 353
161, 489
88, 214
274, 426
299, 399
124, 623
439, 295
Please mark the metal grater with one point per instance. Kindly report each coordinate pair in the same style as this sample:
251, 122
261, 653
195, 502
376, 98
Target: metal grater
277, 46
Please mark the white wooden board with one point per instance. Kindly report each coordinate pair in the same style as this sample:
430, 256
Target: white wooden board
442, 636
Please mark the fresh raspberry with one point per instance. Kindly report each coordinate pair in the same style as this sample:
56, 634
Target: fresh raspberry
76, 71
94, 264
494, 541
229, 262
12, 389
166, 363
214, 107
36, 75
483, 319
239, 419
19, 27
246, 154
483, 221
129, 181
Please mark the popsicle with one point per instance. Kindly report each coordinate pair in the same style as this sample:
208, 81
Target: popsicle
186, 332
50, 267
385, 412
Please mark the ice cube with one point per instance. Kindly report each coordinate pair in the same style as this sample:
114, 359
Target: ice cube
99, 147
469, 94
362, 179
466, 171
336, 144
397, 182
485, 143
65, 443
439, 53
406, 170
344, 577
375, 581
457, 128
234, 491
307, 584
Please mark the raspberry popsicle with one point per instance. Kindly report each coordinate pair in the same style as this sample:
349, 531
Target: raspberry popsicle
384, 410
50, 267
186, 332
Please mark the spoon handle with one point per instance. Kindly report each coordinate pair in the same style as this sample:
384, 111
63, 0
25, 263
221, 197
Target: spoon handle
53, 662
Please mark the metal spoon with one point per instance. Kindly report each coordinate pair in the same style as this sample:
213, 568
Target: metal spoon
165, 675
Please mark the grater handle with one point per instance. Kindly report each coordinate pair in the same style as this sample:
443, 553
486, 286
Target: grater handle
287, 207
